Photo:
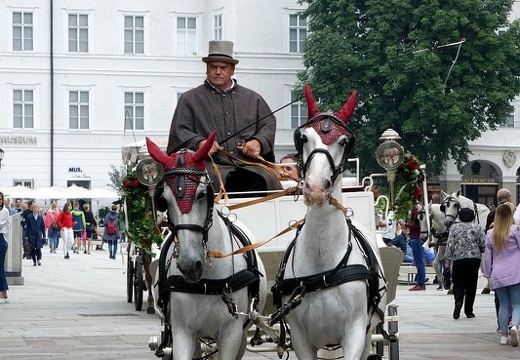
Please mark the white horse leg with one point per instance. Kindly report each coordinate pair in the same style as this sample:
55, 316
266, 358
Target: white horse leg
356, 343
228, 346
441, 251
301, 346
184, 345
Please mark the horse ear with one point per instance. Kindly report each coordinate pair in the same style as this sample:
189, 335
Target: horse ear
156, 153
458, 193
202, 153
346, 111
312, 108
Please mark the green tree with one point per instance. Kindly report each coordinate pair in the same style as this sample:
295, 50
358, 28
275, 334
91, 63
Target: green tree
393, 52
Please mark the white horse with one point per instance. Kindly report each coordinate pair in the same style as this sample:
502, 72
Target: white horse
328, 290
451, 205
440, 232
193, 286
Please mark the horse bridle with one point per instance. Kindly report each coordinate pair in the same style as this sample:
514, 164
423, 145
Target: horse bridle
446, 203
178, 179
325, 127
420, 213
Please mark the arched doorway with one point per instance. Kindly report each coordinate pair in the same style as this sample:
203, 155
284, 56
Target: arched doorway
480, 182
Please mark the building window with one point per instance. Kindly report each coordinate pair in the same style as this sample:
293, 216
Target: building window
510, 122
134, 35
23, 109
78, 33
297, 33
24, 182
217, 27
79, 110
187, 35
298, 111
134, 111
22, 31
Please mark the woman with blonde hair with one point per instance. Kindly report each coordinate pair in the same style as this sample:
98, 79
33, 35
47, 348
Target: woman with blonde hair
502, 265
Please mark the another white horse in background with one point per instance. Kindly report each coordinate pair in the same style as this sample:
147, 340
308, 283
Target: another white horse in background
192, 285
440, 232
330, 286
451, 205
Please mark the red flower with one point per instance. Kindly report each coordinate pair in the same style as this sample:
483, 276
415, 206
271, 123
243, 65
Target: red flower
127, 183
136, 183
412, 164
417, 194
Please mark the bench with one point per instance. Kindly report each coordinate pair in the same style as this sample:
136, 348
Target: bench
408, 271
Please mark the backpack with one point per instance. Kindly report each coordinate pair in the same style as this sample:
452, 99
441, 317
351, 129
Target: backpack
112, 227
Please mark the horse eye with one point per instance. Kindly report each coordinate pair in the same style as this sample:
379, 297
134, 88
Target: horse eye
343, 142
304, 139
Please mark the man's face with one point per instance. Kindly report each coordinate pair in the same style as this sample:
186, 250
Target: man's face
18, 203
291, 170
219, 74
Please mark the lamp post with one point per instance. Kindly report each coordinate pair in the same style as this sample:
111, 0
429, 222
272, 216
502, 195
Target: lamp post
1, 157
389, 155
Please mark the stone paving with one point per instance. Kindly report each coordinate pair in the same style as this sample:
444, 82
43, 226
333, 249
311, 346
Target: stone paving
77, 309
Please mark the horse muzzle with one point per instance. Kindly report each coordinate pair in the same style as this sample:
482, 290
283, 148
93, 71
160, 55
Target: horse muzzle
316, 194
193, 272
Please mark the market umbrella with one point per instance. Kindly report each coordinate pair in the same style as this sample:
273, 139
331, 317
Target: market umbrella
102, 194
17, 191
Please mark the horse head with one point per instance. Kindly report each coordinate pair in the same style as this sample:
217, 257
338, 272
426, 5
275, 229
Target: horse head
424, 222
437, 218
189, 195
324, 142
451, 206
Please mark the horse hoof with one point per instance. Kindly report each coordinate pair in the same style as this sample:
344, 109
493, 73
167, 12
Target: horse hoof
150, 310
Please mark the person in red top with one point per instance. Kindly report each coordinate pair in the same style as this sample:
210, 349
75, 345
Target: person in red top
417, 248
65, 224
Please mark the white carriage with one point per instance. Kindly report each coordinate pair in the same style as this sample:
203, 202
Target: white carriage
267, 219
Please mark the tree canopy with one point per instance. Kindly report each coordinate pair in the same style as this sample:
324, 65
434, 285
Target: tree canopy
438, 72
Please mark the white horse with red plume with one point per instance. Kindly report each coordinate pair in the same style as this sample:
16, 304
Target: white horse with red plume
198, 296
330, 287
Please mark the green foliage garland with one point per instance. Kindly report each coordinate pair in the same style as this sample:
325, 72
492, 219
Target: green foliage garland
142, 230
409, 180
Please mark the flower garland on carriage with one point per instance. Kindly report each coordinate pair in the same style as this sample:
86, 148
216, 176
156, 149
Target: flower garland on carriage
142, 229
409, 180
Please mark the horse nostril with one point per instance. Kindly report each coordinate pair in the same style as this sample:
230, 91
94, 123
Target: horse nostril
198, 266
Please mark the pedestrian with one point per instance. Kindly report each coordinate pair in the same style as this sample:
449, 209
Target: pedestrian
65, 223
463, 255
502, 265
417, 248
111, 234
79, 225
35, 231
401, 241
244, 123
91, 225
290, 164
7, 204
5, 220
53, 229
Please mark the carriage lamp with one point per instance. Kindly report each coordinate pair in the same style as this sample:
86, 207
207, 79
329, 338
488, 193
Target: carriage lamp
389, 155
149, 173
1, 157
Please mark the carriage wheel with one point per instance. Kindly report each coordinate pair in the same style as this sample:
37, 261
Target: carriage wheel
129, 281
138, 284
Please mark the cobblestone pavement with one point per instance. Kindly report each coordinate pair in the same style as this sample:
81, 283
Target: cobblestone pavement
77, 309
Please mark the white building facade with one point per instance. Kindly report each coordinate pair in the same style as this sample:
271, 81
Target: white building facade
79, 79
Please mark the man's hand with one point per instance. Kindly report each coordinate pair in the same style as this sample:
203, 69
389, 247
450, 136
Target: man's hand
213, 149
250, 148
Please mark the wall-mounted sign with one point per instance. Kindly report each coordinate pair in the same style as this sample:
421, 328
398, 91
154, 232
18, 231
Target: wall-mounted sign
75, 170
18, 139
479, 181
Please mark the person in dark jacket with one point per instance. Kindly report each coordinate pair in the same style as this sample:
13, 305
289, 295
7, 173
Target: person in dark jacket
112, 239
244, 123
91, 225
34, 230
401, 241
417, 248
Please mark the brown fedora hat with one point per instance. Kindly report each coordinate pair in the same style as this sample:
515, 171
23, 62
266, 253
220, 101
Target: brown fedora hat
220, 50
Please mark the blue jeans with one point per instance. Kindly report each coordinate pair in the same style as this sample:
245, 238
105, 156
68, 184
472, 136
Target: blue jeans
509, 298
3, 251
112, 247
419, 260
54, 238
